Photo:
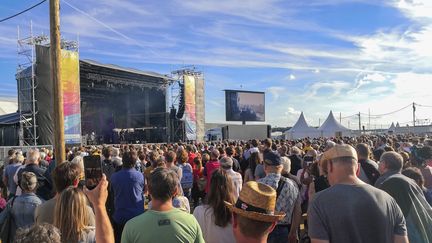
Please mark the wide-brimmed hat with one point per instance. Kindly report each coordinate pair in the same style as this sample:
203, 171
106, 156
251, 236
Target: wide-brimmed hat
257, 201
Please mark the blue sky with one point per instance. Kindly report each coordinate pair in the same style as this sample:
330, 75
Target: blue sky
348, 56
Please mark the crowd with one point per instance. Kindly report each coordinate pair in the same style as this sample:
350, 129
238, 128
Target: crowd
352, 189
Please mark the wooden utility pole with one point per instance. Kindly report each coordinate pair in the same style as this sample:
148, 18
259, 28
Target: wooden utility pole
360, 131
59, 142
414, 117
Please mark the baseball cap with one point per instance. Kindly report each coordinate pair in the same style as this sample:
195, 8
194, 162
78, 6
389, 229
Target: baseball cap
339, 151
271, 158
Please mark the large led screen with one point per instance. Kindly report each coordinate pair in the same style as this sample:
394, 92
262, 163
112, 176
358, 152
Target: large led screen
244, 105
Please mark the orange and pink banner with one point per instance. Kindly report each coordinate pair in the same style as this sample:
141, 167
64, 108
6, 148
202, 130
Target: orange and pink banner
71, 96
190, 105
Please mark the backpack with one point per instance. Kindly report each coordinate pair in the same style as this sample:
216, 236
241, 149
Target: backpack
187, 176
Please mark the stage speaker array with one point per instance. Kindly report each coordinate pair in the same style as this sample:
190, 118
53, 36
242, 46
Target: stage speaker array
182, 105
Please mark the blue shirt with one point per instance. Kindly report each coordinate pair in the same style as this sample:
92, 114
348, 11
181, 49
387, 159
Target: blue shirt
23, 209
128, 188
9, 172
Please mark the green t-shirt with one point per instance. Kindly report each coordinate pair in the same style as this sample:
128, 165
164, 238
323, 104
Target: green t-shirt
169, 226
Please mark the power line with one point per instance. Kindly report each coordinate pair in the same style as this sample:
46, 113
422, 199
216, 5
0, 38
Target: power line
429, 106
28, 9
389, 113
133, 41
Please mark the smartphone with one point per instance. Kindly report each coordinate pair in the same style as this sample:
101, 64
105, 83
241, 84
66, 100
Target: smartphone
92, 171
308, 159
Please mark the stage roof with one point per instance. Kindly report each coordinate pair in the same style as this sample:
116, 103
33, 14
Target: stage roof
8, 119
131, 70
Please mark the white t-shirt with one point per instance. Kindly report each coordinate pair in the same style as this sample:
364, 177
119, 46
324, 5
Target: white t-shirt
237, 181
211, 232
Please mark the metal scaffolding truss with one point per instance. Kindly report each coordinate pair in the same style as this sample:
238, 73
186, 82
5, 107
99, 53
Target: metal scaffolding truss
177, 126
27, 83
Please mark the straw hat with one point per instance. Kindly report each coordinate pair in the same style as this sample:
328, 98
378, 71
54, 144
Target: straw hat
257, 201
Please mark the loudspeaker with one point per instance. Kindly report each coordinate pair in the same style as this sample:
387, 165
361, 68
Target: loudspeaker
173, 112
181, 108
269, 131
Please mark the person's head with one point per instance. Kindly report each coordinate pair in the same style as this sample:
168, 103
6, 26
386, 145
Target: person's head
33, 156
214, 154
420, 156
254, 215
205, 158
107, 152
79, 161
272, 163
163, 184
377, 153
390, 161
65, 175
70, 214
339, 163
286, 165
267, 143
129, 159
295, 150
363, 151
283, 150
19, 159
115, 152
226, 163
329, 144
11, 152
170, 157
197, 162
415, 174
221, 189
28, 182
43, 232
254, 143
382, 141
229, 151
182, 156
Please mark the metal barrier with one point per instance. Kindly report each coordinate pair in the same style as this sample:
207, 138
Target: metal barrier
4, 150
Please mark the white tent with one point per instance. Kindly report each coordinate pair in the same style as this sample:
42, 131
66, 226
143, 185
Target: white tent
301, 130
332, 128
392, 128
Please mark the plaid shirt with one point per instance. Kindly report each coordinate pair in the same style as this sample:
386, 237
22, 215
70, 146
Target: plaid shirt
287, 198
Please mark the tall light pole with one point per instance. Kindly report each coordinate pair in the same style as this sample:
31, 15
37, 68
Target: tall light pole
59, 142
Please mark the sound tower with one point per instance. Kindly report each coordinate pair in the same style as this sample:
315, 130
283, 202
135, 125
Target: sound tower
181, 108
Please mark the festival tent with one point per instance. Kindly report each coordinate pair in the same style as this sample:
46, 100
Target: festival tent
392, 128
332, 128
301, 130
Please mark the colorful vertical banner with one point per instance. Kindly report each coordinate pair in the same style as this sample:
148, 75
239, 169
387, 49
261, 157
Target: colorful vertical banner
71, 96
190, 105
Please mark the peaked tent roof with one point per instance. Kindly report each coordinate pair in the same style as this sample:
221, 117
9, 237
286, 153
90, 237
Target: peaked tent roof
392, 127
301, 130
301, 125
397, 125
331, 125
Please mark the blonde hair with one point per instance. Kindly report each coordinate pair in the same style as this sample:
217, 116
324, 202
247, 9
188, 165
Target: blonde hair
70, 214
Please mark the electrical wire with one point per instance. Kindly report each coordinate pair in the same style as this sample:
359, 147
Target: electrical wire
386, 114
131, 40
28, 9
429, 106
